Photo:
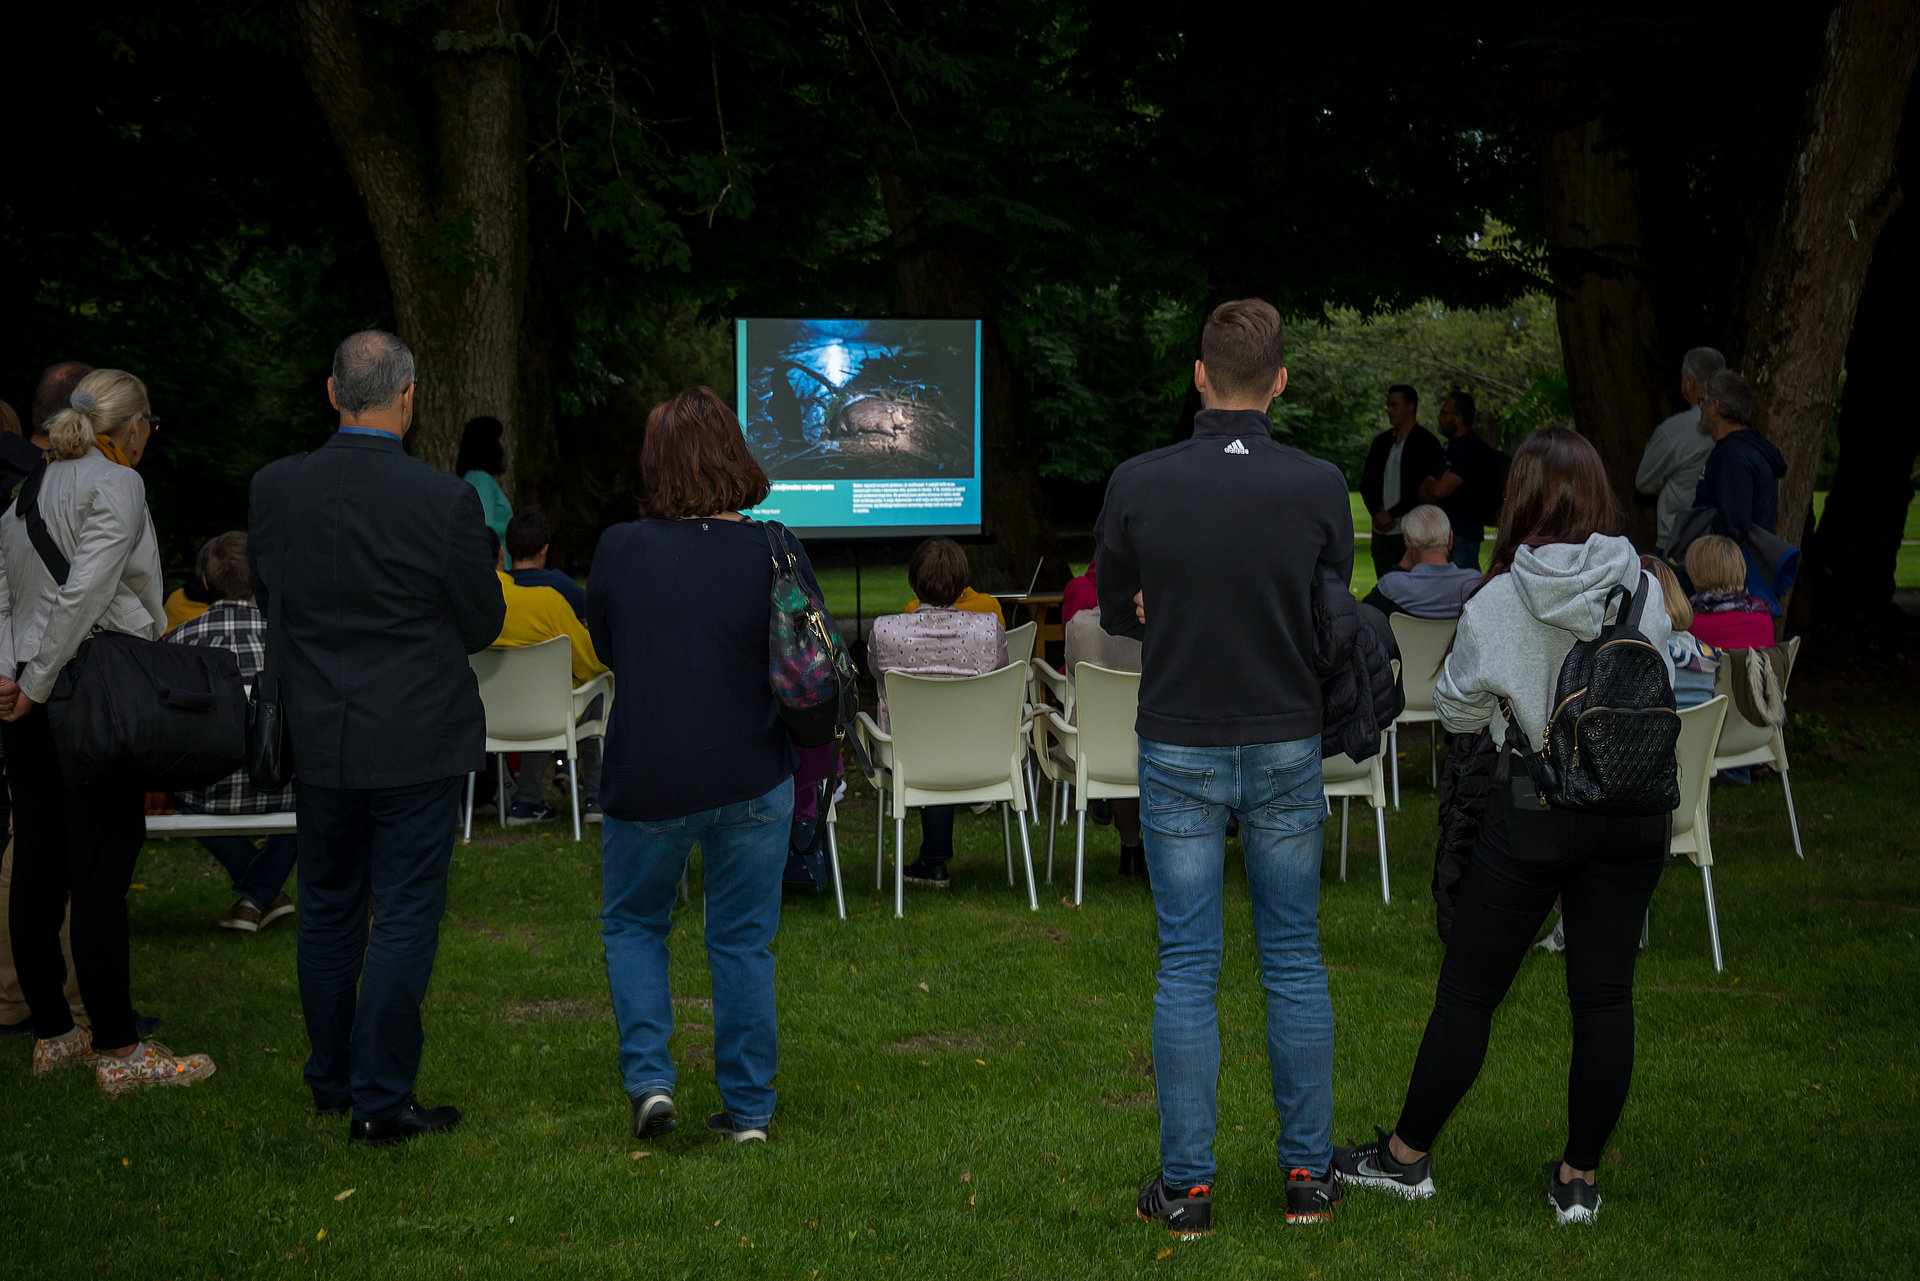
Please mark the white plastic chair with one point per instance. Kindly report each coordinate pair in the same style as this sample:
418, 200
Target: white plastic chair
1423, 644
532, 706
1744, 743
954, 741
1050, 691
1342, 776
1020, 642
1102, 751
1700, 729
833, 859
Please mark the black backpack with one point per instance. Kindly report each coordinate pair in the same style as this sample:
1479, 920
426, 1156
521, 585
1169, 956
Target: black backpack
1613, 728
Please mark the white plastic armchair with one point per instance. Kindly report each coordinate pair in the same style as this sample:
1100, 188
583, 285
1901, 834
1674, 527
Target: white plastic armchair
1342, 776
1020, 642
1700, 731
1744, 743
531, 706
1101, 749
952, 741
1423, 644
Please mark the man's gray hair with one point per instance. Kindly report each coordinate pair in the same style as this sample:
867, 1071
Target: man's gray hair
1703, 363
1426, 526
370, 370
1734, 394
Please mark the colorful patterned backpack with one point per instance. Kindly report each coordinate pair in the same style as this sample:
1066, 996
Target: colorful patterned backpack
809, 667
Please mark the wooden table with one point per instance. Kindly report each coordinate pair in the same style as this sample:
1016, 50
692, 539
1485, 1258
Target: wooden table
1039, 606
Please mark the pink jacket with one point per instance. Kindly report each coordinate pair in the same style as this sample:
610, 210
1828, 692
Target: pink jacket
1734, 629
1080, 593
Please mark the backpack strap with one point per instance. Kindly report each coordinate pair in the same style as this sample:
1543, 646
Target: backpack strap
28, 505
1638, 605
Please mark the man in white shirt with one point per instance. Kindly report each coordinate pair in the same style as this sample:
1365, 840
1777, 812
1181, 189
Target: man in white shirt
1678, 449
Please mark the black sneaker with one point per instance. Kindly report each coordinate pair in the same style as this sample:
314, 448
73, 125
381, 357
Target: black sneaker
653, 1114
723, 1123
1188, 1212
1311, 1200
932, 875
1371, 1165
1575, 1202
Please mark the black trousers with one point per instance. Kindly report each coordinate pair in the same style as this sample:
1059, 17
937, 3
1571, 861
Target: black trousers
79, 843
1604, 871
1387, 550
386, 849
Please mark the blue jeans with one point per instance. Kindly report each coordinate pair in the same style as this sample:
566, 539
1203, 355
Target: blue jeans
743, 854
259, 872
1186, 794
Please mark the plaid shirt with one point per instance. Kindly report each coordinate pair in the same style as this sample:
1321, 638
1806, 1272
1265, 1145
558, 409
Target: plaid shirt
236, 625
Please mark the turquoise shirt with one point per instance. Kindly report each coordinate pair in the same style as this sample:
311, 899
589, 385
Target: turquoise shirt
493, 502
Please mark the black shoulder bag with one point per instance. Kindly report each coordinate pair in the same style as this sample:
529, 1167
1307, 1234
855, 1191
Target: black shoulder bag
167, 718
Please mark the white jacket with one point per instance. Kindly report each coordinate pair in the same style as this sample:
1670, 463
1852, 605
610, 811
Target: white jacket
96, 511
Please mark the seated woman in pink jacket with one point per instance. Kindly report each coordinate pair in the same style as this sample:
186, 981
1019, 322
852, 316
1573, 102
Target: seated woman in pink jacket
1724, 615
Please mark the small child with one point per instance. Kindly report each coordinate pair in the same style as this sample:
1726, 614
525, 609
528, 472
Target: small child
1724, 615
1694, 662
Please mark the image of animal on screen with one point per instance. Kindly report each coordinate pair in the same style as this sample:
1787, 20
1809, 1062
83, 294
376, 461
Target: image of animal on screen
860, 398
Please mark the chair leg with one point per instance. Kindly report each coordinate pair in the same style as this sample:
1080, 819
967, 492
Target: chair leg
1713, 918
1026, 851
1053, 829
1345, 801
1646, 928
1433, 750
1006, 837
833, 861
1380, 826
899, 866
1079, 857
1393, 742
573, 790
466, 830
1793, 821
500, 779
879, 840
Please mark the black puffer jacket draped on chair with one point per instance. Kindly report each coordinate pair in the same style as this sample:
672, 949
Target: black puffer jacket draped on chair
1353, 649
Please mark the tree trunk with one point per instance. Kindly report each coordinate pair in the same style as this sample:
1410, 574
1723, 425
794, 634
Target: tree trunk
1609, 336
447, 200
934, 281
1841, 189
1848, 573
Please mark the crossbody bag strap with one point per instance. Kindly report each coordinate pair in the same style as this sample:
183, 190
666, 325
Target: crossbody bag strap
28, 505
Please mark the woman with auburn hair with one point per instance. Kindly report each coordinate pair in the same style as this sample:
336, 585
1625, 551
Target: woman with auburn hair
1557, 558
76, 845
696, 753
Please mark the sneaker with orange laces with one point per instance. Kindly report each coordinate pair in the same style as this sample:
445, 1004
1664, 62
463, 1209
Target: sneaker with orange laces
75, 1050
151, 1063
1187, 1211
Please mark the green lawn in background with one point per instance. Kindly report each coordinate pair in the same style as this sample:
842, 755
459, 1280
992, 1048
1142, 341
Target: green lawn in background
968, 1092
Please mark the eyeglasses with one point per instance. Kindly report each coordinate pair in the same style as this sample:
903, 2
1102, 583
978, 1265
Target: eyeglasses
153, 421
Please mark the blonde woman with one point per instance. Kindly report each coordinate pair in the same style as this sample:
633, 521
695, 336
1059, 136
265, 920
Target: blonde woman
79, 842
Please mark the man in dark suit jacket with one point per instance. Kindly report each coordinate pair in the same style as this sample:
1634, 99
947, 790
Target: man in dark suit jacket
381, 569
1398, 460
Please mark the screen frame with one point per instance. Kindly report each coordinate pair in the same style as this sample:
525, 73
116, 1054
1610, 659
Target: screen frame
881, 533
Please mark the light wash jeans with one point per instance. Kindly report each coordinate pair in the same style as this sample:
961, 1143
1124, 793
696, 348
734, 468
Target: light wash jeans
1186, 794
743, 853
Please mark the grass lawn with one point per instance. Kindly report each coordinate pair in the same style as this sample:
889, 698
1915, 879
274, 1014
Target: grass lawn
968, 1092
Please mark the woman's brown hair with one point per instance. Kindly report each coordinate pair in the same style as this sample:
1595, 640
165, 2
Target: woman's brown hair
938, 571
695, 461
1679, 608
1557, 492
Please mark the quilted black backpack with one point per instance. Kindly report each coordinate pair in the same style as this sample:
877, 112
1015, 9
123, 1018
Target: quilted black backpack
1613, 728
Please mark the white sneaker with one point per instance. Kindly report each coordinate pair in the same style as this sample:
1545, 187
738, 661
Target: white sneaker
1556, 941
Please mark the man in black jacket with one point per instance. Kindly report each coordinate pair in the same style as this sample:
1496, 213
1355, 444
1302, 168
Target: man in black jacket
380, 569
1207, 552
1398, 460
1741, 480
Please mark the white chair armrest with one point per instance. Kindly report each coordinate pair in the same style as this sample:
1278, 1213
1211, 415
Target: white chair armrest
868, 727
1055, 683
583, 695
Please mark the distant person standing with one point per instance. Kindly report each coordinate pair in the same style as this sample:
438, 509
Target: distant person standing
385, 570
1743, 472
1398, 460
53, 394
1678, 449
1207, 553
1463, 480
481, 462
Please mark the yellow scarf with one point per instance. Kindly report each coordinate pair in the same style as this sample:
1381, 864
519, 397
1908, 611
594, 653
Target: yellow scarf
111, 450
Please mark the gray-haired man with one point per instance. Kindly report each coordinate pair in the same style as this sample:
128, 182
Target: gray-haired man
1678, 450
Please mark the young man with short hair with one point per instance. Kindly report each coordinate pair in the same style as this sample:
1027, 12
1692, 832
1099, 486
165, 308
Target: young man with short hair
1207, 553
528, 540
1462, 480
1397, 461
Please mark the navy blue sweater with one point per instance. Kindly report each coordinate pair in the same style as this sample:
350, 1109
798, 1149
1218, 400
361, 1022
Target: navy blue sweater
1742, 482
678, 609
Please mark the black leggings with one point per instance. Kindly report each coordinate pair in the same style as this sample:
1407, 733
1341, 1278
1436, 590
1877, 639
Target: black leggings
1603, 870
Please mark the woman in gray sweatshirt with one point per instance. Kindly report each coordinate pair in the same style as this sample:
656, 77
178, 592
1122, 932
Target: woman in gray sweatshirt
1556, 560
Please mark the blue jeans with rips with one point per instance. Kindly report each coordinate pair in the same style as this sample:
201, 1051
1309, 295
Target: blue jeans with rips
1186, 794
743, 853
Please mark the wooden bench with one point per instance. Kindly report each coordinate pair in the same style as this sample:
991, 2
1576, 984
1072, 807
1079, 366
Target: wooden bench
171, 826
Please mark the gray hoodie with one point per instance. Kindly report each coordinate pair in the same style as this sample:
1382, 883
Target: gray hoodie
1517, 631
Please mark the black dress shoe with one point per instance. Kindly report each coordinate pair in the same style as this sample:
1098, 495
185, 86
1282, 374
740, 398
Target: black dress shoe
410, 1121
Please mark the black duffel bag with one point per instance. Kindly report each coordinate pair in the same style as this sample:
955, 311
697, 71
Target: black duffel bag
168, 718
